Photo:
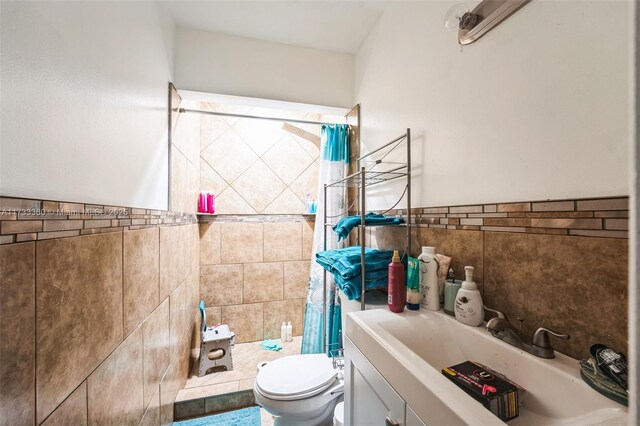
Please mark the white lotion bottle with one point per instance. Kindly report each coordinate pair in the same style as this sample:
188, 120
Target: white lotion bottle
283, 332
468, 306
289, 332
430, 295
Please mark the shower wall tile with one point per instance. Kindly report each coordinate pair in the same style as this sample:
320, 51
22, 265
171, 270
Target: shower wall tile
209, 243
73, 411
259, 186
230, 201
181, 308
175, 262
245, 320
241, 242
156, 331
296, 279
287, 159
221, 284
229, 156
282, 310
141, 275
262, 282
17, 323
285, 203
80, 314
115, 388
282, 241
210, 181
308, 228
169, 387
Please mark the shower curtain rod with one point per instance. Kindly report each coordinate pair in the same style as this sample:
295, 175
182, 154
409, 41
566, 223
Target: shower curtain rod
224, 114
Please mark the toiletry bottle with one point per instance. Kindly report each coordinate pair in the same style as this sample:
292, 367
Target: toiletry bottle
413, 284
289, 332
283, 332
397, 291
468, 306
211, 207
451, 287
429, 279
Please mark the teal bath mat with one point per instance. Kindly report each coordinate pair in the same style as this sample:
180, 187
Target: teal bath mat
244, 417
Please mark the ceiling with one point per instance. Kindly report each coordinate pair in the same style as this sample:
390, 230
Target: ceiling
339, 26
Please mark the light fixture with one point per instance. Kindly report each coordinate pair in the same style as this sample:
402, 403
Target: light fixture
472, 24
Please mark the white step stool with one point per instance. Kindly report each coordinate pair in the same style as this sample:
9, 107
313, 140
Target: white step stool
216, 345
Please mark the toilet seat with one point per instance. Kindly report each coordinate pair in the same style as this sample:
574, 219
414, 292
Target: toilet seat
296, 377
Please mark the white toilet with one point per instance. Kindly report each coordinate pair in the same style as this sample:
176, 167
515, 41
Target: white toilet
304, 389
299, 389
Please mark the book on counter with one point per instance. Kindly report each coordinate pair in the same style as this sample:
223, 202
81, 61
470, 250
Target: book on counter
497, 394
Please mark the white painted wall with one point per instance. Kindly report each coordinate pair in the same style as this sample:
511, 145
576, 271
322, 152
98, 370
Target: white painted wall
536, 109
231, 65
84, 102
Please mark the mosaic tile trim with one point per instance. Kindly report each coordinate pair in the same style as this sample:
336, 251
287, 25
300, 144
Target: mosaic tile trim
260, 218
29, 220
594, 217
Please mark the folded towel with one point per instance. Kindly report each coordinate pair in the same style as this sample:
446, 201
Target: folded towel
271, 345
346, 262
346, 224
345, 266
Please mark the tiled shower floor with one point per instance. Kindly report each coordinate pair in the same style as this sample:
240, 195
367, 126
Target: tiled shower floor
211, 392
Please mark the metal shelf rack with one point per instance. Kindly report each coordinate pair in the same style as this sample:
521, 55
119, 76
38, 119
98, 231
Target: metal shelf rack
369, 174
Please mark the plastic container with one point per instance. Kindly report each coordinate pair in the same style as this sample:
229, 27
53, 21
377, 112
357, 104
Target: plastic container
413, 284
211, 208
397, 292
283, 332
289, 332
202, 203
451, 288
429, 279
468, 306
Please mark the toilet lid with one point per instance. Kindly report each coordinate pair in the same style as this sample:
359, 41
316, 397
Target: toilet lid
299, 376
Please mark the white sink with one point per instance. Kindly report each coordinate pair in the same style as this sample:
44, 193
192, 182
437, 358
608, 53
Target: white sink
410, 350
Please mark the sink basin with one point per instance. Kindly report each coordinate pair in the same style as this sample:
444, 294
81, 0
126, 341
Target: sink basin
410, 350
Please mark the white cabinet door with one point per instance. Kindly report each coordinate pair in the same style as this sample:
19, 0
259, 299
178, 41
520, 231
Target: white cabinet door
413, 419
369, 399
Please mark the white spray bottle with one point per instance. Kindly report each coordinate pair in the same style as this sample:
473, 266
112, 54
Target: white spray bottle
429, 279
468, 307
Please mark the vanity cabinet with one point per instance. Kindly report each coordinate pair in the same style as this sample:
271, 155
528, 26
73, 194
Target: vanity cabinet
369, 398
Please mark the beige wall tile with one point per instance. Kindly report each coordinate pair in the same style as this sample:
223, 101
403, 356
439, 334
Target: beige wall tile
179, 180
230, 202
209, 243
210, 181
169, 387
141, 275
245, 321
277, 312
307, 182
115, 388
287, 159
17, 323
285, 203
73, 411
241, 242
229, 156
282, 241
259, 186
175, 263
262, 282
296, 279
221, 285
308, 227
181, 310
151, 416
211, 128
260, 135
214, 315
79, 316
156, 338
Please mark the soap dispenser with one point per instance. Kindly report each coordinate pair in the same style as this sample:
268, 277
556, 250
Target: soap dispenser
469, 308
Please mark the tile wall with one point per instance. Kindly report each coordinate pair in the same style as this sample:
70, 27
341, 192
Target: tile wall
559, 264
254, 273
96, 322
255, 166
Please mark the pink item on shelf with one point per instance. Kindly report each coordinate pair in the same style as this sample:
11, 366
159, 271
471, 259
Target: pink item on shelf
211, 208
202, 203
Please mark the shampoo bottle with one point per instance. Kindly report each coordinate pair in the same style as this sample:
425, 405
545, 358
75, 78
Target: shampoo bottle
397, 292
468, 306
429, 279
289, 332
283, 332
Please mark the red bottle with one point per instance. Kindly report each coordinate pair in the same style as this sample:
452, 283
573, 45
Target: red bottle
397, 291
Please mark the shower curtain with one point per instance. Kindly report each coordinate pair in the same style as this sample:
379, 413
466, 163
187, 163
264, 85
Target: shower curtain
333, 166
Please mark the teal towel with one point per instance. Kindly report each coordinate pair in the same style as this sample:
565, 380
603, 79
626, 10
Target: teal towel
271, 345
346, 261
346, 224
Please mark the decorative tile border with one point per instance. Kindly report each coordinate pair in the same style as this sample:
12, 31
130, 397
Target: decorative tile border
28, 220
596, 217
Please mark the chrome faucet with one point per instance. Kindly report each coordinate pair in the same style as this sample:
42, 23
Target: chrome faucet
540, 346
